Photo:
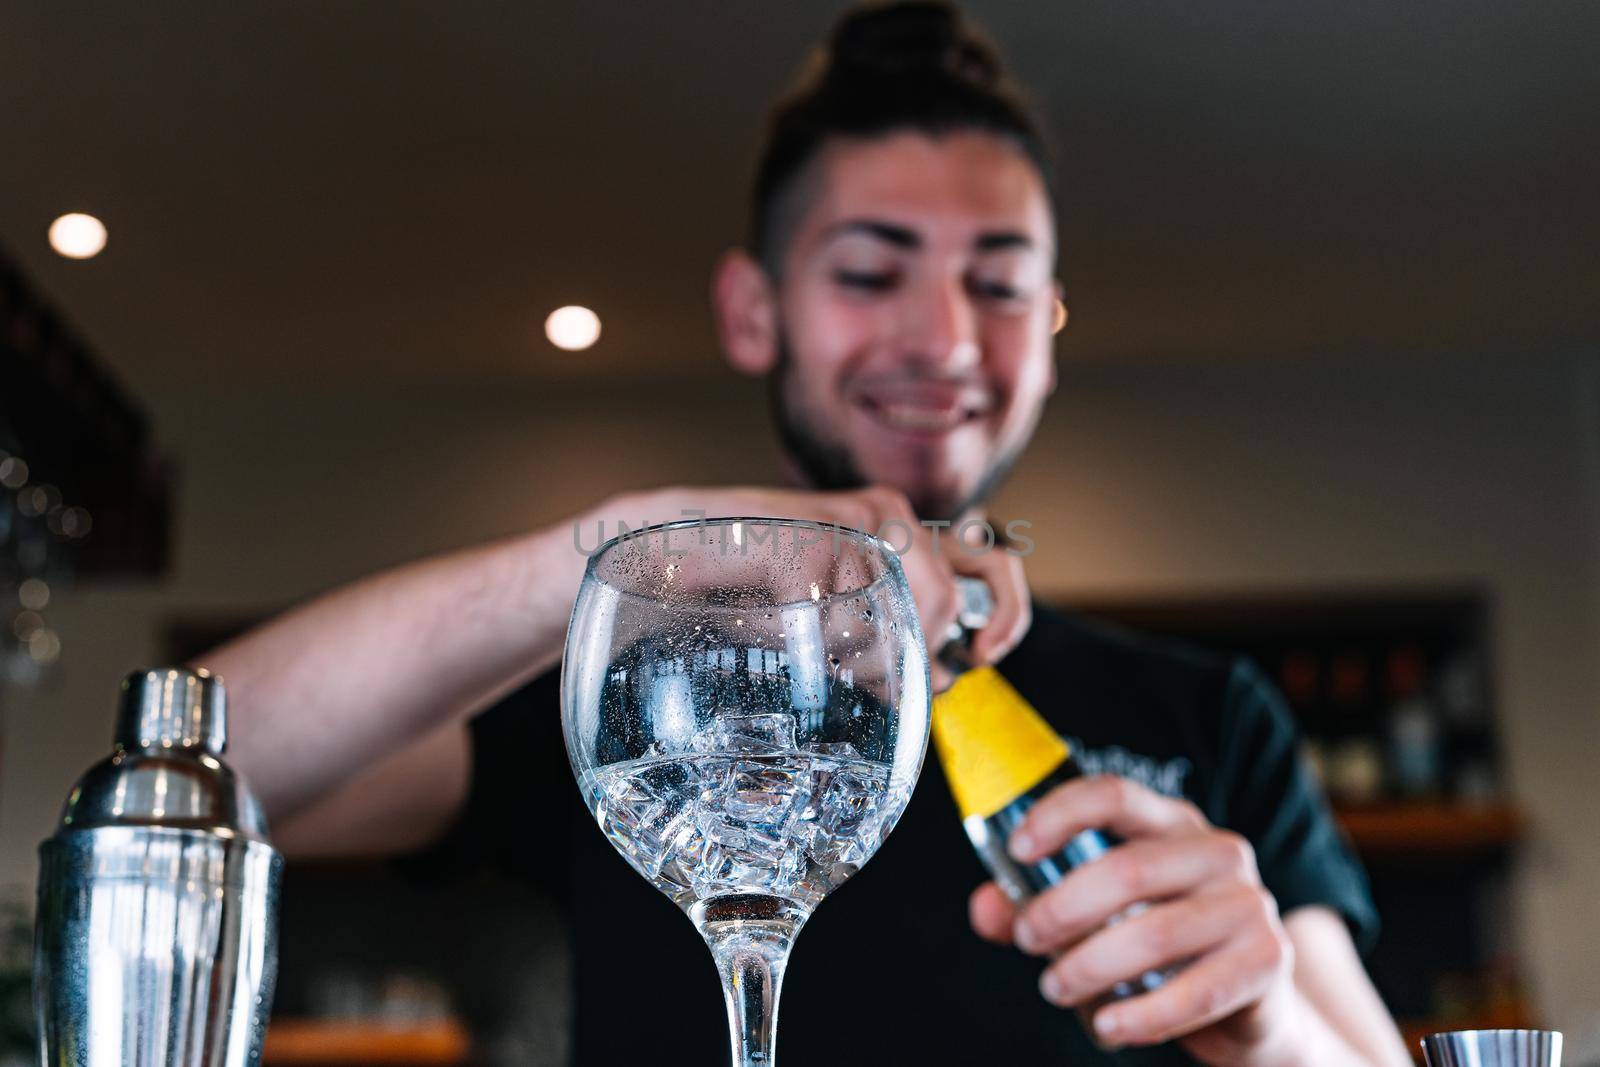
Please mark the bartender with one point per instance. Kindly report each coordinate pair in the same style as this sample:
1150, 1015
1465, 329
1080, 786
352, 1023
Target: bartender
897, 294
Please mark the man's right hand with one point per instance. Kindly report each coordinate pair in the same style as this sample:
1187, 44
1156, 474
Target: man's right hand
932, 558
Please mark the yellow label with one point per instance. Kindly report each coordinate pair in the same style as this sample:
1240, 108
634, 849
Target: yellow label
993, 745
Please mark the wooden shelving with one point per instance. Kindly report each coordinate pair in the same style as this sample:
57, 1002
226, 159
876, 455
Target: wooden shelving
1431, 828
330, 1043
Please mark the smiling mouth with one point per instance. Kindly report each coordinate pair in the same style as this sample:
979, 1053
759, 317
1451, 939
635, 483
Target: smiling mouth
919, 416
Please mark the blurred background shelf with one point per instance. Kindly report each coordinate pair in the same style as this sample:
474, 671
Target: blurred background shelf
347, 1043
1431, 828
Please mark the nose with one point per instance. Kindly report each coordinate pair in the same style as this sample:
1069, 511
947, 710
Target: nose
940, 326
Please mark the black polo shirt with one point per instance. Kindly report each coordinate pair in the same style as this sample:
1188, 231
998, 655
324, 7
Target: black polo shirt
887, 970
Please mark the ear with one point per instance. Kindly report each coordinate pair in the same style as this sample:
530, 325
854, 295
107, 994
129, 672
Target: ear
1058, 322
746, 309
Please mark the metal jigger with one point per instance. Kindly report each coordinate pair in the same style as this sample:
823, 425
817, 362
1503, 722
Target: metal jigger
1493, 1048
156, 941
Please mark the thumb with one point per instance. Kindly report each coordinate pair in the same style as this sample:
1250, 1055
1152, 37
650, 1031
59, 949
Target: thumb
991, 914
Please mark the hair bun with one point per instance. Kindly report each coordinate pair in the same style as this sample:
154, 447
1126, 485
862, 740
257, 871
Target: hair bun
911, 38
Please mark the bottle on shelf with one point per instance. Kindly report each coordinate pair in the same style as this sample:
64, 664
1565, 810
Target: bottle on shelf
1414, 743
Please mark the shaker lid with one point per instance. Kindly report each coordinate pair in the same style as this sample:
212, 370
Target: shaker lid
167, 769
172, 707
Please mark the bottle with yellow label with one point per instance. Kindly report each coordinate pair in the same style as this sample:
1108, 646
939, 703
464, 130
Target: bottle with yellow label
1000, 756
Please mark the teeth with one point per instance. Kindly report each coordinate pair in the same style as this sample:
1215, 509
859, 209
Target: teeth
915, 418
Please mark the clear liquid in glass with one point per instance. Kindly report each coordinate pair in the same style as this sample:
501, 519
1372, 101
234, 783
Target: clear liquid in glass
746, 810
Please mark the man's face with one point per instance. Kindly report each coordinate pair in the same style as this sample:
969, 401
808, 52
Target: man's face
914, 316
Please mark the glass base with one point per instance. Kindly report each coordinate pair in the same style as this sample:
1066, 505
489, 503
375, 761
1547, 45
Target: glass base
750, 935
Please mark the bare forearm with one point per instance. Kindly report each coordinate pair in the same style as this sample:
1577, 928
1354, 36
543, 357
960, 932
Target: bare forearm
1312, 1040
1331, 1015
1287, 1029
399, 804
334, 685
1332, 1048
331, 688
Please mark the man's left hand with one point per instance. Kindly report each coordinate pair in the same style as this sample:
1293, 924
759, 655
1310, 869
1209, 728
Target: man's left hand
1205, 910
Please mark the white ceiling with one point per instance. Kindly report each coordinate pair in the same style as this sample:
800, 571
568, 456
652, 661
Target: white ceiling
300, 191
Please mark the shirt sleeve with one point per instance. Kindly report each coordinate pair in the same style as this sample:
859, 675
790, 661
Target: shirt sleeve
1276, 803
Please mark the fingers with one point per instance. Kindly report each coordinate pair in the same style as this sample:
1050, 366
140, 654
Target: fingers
991, 913
926, 563
931, 556
933, 588
1208, 990
1103, 802
1013, 609
1151, 939
1152, 869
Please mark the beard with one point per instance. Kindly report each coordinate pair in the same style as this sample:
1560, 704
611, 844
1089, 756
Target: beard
829, 465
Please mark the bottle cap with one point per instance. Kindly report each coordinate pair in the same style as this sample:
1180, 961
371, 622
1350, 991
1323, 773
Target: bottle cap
974, 609
994, 746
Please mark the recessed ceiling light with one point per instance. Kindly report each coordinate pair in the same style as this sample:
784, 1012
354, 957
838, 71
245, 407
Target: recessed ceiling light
78, 236
572, 327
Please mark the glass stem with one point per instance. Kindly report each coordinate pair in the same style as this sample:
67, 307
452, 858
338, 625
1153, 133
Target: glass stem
750, 937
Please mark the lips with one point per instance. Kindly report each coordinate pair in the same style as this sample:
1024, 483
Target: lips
914, 419
923, 408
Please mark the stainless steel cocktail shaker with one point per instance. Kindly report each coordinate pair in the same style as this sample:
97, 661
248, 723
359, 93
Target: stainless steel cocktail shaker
1493, 1048
156, 934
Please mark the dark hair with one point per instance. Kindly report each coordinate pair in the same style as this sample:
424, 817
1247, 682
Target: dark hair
904, 66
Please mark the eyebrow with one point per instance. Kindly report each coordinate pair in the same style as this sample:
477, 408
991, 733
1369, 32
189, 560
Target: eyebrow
996, 242
907, 238
888, 232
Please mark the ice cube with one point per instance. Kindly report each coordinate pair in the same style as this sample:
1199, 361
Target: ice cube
769, 792
634, 812
848, 800
724, 865
843, 751
718, 830
842, 808
630, 803
791, 868
768, 731
744, 858
682, 848
833, 816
